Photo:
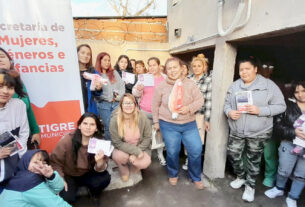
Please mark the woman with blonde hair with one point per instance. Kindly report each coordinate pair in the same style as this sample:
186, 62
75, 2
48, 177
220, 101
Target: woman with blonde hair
130, 132
202, 79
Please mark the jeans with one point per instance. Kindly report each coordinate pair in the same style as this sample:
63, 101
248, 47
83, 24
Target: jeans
288, 162
105, 110
188, 133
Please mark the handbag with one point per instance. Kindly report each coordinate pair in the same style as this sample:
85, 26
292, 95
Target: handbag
157, 141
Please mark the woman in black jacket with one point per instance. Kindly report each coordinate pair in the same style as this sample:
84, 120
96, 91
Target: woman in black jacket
290, 162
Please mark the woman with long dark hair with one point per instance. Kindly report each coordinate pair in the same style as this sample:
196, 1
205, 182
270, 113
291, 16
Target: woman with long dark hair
289, 162
111, 92
6, 62
71, 160
13, 119
84, 54
124, 64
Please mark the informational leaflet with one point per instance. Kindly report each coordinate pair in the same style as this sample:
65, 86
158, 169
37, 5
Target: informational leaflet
8, 140
146, 79
243, 98
300, 123
128, 77
96, 145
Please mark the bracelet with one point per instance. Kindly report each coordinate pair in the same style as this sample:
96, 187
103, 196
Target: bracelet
106, 165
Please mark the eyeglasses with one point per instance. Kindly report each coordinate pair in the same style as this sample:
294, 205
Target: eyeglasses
128, 103
267, 66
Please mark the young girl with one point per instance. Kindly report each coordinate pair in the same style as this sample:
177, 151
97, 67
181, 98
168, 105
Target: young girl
34, 183
13, 119
131, 136
112, 92
7, 63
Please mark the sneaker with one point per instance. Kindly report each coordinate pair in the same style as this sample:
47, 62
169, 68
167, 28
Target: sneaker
248, 194
274, 192
290, 202
237, 183
162, 160
185, 165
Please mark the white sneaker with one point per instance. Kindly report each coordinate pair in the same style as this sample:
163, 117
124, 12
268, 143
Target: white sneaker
248, 194
290, 202
162, 160
237, 183
185, 165
274, 192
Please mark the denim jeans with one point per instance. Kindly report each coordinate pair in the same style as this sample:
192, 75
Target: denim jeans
288, 162
188, 133
105, 110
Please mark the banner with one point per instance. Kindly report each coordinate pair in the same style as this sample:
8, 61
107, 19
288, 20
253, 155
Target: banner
39, 36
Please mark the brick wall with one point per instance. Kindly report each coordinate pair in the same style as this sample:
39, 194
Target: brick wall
129, 29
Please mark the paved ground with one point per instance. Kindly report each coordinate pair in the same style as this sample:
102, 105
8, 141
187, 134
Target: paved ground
155, 191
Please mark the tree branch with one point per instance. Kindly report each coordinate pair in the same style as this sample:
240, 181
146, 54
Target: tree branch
144, 8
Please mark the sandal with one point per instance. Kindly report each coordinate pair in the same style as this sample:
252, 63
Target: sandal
173, 181
199, 185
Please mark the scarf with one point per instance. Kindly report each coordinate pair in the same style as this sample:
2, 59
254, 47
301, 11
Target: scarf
175, 100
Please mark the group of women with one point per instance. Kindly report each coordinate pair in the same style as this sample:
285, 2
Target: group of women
179, 105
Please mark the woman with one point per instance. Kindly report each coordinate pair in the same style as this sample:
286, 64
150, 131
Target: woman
204, 82
112, 92
131, 136
144, 95
34, 183
72, 161
140, 67
288, 161
133, 65
7, 63
181, 127
84, 54
250, 105
123, 64
13, 120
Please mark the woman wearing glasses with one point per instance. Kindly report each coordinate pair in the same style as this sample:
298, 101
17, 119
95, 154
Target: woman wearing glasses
131, 136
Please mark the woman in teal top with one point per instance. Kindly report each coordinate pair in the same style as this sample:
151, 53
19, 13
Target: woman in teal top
6, 62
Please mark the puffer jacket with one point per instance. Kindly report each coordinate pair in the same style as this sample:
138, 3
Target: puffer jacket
283, 123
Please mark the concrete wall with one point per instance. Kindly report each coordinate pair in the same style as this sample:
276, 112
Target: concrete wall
139, 38
198, 20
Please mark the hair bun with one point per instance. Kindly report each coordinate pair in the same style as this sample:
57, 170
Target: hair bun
200, 55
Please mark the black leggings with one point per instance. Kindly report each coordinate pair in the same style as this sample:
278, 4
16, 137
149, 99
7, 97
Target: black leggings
95, 181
